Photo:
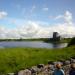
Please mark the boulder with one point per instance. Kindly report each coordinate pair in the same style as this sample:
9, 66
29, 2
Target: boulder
72, 60
24, 72
40, 65
34, 70
67, 62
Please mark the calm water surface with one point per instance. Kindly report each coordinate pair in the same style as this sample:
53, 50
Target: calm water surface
34, 44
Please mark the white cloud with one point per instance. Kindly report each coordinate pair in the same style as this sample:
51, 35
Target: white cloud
68, 17
45, 9
32, 29
3, 14
58, 17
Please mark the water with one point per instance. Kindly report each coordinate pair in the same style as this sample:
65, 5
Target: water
33, 44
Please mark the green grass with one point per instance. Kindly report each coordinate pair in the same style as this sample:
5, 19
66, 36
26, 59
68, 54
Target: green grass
14, 59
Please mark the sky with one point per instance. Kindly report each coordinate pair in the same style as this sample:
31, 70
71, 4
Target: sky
36, 18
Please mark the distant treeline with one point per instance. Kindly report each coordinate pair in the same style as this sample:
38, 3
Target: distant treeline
30, 39
39, 39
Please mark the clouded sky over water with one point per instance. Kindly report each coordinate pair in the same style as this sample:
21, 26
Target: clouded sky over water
36, 18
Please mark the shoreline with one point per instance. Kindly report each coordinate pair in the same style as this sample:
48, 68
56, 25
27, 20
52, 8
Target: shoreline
47, 40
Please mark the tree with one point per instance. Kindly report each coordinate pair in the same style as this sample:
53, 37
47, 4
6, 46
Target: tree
72, 42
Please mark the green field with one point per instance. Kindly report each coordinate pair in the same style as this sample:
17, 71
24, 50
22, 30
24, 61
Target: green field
14, 59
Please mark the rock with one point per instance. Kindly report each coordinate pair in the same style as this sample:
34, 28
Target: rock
66, 68
48, 70
67, 62
27, 72
45, 72
34, 70
72, 60
40, 68
24, 72
21, 72
49, 67
40, 65
52, 67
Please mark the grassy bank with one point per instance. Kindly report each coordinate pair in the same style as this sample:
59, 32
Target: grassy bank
13, 59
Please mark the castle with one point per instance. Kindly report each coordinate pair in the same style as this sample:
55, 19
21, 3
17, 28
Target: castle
56, 36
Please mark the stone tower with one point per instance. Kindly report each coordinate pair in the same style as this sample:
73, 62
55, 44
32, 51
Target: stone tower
56, 36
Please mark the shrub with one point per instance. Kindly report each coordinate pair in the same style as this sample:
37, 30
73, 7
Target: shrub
72, 42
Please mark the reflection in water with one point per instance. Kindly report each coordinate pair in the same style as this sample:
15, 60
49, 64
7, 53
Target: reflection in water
55, 45
34, 44
59, 45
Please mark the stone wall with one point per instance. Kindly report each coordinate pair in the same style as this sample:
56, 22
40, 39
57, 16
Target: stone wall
48, 69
